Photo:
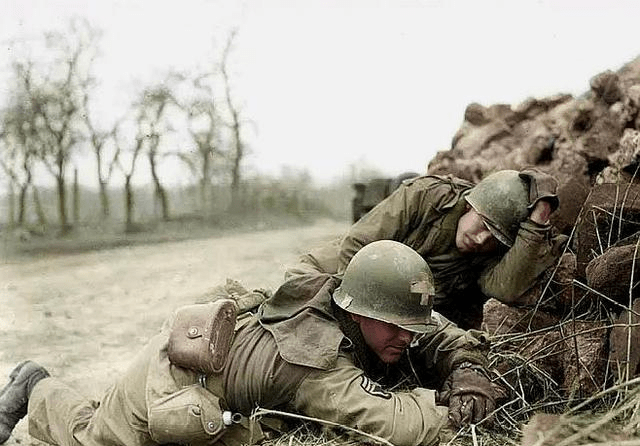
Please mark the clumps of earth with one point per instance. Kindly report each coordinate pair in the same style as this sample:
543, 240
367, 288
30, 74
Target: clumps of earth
576, 331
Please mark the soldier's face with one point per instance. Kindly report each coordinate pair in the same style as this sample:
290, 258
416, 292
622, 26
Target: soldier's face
473, 236
388, 341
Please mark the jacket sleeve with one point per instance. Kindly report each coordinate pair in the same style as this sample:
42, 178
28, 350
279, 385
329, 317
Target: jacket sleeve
533, 251
445, 346
344, 395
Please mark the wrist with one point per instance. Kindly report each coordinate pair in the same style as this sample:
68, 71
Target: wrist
475, 367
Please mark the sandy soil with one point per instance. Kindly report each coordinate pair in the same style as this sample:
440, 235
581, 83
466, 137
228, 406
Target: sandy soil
84, 316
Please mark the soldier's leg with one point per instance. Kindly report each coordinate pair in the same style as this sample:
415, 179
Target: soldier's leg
57, 412
60, 415
15, 395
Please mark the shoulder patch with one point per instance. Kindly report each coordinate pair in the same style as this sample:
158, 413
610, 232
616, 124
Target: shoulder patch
373, 388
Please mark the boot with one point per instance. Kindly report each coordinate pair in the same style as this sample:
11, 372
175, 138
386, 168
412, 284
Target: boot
15, 395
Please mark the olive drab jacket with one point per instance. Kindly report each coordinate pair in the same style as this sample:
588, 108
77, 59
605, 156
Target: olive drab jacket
423, 213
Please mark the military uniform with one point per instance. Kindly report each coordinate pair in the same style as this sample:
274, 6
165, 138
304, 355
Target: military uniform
423, 213
297, 355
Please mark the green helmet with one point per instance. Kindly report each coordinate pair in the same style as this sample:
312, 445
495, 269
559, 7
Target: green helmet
502, 200
390, 282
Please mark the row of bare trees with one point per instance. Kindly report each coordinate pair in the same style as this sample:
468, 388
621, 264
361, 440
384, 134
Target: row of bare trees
48, 125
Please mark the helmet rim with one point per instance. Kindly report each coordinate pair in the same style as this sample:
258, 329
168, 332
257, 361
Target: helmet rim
415, 325
502, 201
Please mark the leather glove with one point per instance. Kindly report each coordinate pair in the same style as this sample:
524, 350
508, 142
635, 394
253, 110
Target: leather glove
470, 395
542, 186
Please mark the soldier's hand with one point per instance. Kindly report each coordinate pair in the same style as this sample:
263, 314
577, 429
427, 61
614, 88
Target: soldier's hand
468, 408
541, 212
542, 187
470, 395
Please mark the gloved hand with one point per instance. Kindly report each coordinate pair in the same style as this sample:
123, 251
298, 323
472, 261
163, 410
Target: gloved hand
542, 186
470, 395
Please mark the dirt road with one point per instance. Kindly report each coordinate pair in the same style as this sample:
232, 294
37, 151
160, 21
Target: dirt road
84, 316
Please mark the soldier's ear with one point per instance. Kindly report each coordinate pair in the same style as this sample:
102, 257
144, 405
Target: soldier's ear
356, 318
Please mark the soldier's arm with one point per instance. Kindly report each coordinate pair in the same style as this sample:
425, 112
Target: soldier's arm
458, 358
446, 346
320, 259
533, 251
344, 395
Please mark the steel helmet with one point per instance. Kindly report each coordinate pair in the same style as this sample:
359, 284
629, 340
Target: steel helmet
390, 282
502, 200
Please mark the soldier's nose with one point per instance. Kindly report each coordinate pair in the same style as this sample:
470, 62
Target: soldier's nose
482, 237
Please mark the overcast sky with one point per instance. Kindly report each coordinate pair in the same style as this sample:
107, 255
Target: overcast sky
333, 83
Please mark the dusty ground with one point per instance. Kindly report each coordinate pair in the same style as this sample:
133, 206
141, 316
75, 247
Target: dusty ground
84, 316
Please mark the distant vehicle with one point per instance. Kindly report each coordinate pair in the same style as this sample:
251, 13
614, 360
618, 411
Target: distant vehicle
372, 192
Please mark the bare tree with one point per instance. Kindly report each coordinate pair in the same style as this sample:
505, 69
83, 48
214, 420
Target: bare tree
153, 106
203, 124
22, 184
128, 171
105, 164
20, 153
237, 146
55, 93
216, 128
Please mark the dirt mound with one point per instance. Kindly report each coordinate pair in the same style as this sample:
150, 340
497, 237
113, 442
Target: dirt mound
591, 144
581, 140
